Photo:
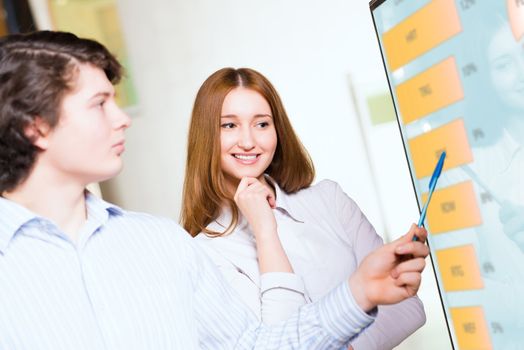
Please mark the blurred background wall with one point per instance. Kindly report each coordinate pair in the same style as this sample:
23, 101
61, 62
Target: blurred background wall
324, 60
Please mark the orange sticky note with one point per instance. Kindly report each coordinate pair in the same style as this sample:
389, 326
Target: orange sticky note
426, 148
453, 208
516, 17
470, 328
429, 91
459, 268
421, 32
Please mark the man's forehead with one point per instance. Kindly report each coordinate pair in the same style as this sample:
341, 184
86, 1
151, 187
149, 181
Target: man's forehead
90, 80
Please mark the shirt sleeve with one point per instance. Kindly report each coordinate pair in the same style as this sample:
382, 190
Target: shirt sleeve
281, 294
273, 297
394, 323
223, 322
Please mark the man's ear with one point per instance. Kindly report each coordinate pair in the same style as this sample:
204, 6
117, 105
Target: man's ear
38, 132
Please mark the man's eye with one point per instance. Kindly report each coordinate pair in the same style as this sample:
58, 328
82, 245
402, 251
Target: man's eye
100, 103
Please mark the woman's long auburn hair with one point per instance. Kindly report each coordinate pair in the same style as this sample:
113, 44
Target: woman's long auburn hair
205, 192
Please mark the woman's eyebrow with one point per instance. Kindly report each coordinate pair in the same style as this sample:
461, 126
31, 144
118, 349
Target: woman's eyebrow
255, 116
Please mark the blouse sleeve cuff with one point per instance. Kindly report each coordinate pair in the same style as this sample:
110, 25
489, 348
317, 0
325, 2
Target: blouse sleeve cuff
281, 280
341, 314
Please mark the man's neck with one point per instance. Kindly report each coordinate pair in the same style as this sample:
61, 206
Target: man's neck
53, 198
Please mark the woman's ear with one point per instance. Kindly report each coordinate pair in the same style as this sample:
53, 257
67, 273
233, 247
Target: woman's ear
38, 132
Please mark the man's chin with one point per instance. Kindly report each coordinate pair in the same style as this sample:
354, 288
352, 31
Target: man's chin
108, 175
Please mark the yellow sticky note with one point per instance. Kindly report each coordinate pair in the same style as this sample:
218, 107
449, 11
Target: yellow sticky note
516, 18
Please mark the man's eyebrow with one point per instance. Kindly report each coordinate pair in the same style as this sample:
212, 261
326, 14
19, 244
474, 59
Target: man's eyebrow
104, 94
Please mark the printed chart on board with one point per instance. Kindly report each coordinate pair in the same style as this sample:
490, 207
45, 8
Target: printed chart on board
456, 74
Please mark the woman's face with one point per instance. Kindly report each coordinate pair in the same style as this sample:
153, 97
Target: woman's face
506, 62
247, 135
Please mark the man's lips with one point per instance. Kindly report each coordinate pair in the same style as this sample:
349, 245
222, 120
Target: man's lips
119, 146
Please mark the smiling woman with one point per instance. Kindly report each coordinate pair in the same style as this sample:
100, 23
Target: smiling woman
214, 123
248, 137
279, 241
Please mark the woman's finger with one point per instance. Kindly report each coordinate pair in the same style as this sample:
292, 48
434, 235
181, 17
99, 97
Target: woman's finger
410, 281
412, 265
415, 248
245, 182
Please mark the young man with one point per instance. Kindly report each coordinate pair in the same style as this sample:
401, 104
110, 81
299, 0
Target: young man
79, 273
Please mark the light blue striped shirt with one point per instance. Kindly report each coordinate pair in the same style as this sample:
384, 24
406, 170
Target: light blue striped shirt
134, 281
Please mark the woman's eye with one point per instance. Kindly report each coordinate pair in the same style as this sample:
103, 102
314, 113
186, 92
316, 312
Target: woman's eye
502, 64
227, 126
263, 124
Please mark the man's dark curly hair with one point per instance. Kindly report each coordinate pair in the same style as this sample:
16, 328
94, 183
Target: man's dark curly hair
36, 71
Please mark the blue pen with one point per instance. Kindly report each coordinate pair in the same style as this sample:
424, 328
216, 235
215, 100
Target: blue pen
432, 184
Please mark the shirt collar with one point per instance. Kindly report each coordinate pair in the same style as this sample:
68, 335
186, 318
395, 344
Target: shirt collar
511, 143
284, 200
98, 209
512, 146
14, 216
